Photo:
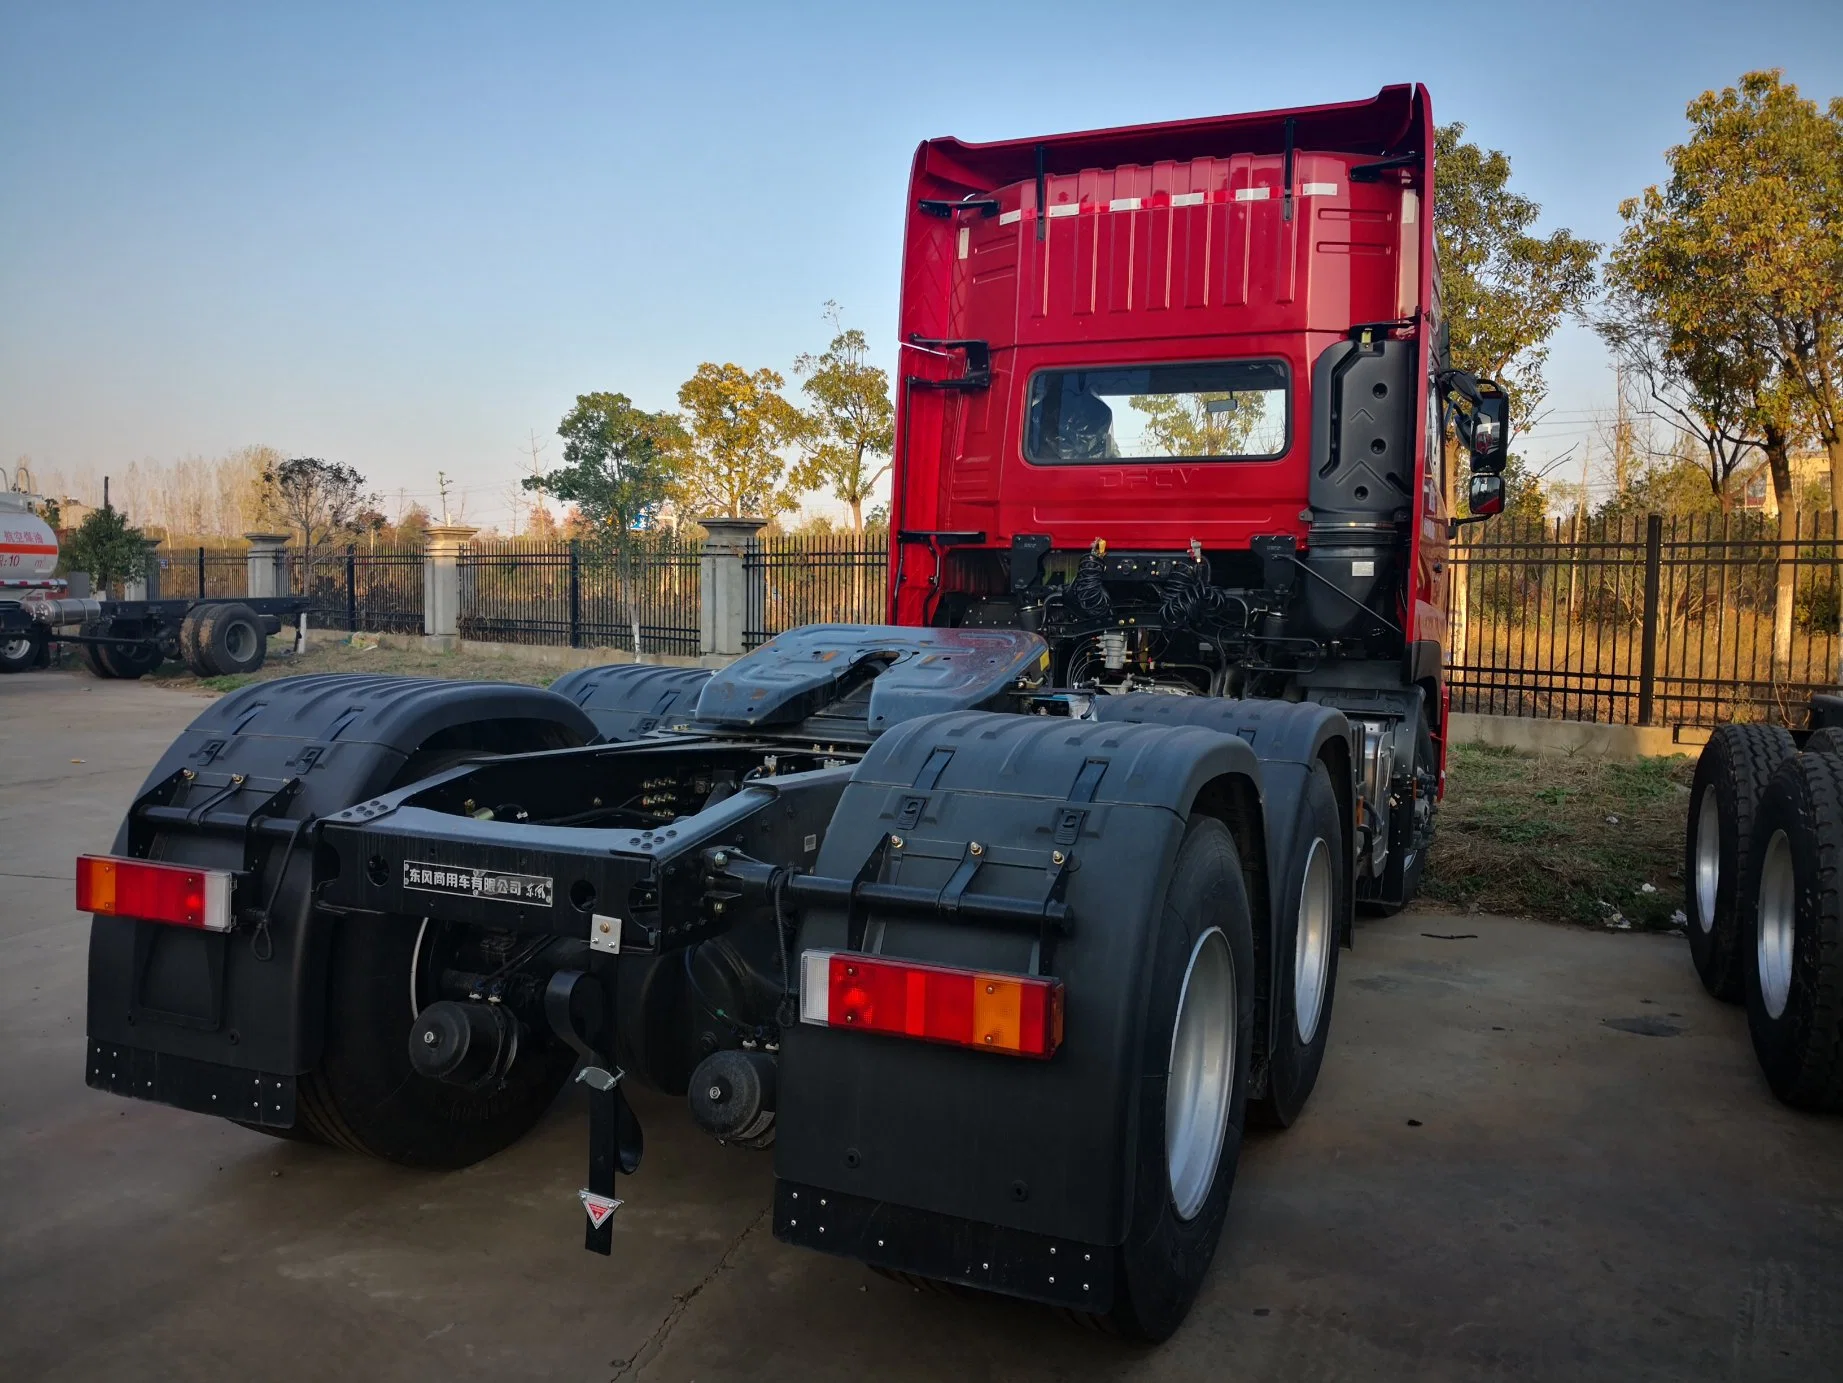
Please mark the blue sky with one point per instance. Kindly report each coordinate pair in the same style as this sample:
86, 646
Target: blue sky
404, 236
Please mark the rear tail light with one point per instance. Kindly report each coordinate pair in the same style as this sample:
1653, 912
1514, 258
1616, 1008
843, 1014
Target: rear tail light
170, 893
1017, 1014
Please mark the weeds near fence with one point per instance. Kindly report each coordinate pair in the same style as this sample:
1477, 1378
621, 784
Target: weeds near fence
1567, 838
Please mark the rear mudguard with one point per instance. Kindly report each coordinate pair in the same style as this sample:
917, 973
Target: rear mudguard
1290, 738
171, 1008
953, 1143
629, 700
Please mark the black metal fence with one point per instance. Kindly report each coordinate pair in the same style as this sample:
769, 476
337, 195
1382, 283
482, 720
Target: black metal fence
199, 572
376, 590
791, 581
1639, 620
639, 592
1645, 620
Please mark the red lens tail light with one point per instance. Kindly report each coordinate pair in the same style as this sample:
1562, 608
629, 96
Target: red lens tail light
1020, 1015
170, 893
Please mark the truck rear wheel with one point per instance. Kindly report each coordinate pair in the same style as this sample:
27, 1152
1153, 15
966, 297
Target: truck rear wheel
1795, 982
1730, 776
231, 640
189, 651
364, 1095
1307, 946
1828, 740
112, 660
16, 655
1193, 1102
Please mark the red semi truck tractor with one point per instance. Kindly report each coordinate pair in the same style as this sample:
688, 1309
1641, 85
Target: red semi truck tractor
997, 922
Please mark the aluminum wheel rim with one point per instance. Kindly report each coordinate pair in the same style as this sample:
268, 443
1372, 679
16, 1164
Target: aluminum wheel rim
240, 642
1312, 942
1200, 1080
1777, 924
16, 648
1708, 858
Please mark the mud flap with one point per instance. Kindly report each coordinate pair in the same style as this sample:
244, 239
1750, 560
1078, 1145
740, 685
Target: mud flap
1034, 1153
236, 791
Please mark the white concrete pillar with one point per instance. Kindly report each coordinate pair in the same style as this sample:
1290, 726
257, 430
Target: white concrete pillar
441, 582
268, 570
723, 585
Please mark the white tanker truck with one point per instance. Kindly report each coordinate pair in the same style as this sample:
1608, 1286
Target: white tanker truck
116, 638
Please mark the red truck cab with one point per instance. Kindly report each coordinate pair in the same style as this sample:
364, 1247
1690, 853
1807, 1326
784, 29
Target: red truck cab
1172, 395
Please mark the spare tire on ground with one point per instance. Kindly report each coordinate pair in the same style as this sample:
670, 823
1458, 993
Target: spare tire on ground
231, 640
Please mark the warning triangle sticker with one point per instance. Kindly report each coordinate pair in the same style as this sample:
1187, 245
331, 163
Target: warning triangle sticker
600, 1208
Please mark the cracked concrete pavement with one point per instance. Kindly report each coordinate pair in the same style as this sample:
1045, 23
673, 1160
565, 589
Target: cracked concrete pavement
1535, 1153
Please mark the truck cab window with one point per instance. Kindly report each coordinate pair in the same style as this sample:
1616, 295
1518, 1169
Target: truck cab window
1212, 411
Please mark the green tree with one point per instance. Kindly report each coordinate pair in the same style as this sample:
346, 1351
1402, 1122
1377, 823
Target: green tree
107, 547
1505, 288
1707, 387
851, 424
1738, 258
739, 426
320, 501
1766, 165
619, 462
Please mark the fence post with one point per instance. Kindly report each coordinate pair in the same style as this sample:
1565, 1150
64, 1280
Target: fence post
441, 583
723, 587
1647, 656
201, 573
351, 590
265, 565
575, 594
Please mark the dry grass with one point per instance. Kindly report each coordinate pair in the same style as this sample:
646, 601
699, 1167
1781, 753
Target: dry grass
334, 654
1571, 839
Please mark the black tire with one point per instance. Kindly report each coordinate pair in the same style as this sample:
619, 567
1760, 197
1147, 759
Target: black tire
96, 657
231, 639
1410, 836
189, 651
18, 655
1317, 882
1733, 771
134, 661
364, 1095
1794, 982
1828, 740
1162, 1264
128, 661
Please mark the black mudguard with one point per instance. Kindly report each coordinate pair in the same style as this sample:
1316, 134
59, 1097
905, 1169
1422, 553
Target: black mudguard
910, 1155
630, 700
1288, 737
181, 1016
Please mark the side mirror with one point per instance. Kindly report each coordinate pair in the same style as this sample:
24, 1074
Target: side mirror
1484, 498
1481, 417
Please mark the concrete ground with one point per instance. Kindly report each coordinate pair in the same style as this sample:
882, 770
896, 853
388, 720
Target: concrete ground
1534, 1153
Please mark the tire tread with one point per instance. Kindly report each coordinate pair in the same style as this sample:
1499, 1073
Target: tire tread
1737, 764
1807, 1071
